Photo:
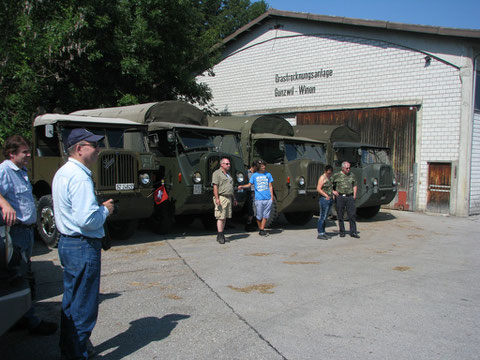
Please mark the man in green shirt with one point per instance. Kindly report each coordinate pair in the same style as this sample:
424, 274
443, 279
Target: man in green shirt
223, 196
345, 191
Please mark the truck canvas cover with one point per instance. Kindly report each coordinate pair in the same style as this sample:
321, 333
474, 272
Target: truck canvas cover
328, 133
172, 111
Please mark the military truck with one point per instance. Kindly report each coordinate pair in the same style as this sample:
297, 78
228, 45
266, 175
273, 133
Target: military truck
376, 183
295, 163
124, 170
187, 152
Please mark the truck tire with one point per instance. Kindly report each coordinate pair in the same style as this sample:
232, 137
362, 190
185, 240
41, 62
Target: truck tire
184, 220
123, 229
368, 212
46, 222
209, 222
273, 214
299, 217
162, 219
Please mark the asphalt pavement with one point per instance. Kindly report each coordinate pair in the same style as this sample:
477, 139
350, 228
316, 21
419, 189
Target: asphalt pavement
407, 289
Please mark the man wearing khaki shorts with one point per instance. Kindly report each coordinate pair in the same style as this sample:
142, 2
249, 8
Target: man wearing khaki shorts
223, 194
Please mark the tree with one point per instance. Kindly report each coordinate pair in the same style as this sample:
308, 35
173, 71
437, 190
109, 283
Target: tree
77, 54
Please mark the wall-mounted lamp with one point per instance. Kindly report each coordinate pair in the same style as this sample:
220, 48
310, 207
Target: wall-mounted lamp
428, 60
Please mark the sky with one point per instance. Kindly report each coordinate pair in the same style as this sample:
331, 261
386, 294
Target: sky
463, 14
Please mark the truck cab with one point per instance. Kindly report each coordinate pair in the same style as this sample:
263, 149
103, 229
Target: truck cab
124, 171
371, 165
295, 163
187, 152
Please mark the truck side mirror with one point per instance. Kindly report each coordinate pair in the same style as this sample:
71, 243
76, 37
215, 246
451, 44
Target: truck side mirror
359, 151
154, 139
49, 131
170, 136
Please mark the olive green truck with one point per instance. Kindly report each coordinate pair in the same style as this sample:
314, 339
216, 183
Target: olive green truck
295, 163
376, 183
124, 170
187, 152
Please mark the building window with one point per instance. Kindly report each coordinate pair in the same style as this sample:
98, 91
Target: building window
477, 91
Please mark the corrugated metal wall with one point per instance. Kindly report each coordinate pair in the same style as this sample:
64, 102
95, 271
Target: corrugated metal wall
394, 127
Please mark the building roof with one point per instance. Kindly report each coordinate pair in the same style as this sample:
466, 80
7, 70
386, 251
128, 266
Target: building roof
387, 25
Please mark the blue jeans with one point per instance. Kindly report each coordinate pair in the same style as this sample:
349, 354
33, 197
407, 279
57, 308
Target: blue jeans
81, 261
22, 238
325, 206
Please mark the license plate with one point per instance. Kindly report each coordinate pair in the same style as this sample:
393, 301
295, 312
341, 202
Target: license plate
122, 187
302, 191
197, 189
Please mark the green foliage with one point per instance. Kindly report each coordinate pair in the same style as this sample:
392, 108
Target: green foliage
75, 54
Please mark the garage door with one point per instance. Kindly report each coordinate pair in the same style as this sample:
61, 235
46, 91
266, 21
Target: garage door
393, 127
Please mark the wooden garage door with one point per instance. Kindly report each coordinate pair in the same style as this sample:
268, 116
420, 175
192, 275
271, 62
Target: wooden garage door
439, 181
393, 127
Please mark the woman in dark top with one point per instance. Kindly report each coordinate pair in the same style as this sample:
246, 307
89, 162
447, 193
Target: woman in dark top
325, 190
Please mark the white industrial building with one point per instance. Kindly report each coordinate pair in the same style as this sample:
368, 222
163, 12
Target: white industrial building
408, 87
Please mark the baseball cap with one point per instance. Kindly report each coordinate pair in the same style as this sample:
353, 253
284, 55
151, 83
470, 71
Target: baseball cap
77, 135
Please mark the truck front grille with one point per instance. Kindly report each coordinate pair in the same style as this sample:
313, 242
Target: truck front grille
315, 170
116, 169
213, 164
386, 179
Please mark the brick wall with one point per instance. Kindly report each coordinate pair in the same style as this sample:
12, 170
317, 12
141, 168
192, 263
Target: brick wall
364, 71
475, 168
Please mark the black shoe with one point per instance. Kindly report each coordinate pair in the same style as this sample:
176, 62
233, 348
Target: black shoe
262, 233
355, 235
221, 238
342, 234
44, 328
322, 237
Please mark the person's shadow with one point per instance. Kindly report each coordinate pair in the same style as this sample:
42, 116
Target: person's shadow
141, 333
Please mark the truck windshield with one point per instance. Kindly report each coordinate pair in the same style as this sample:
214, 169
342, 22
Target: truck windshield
375, 156
132, 139
192, 140
297, 151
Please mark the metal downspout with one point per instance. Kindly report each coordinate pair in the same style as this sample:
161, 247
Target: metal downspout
475, 59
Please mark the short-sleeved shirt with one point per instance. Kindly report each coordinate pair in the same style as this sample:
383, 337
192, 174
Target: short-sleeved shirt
344, 183
224, 181
261, 182
15, 187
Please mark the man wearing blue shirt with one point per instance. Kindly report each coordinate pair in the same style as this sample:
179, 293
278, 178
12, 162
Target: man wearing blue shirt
262, 182
79, 219
18, 211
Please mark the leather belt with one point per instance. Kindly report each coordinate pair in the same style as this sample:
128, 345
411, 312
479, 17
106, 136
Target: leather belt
80, 237
345, 194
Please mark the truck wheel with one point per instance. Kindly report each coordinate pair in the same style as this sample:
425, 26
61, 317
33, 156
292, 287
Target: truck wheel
46, 222
273, 214
368, 212
184, 220
209, 222
122, 230
299, 218
161, 221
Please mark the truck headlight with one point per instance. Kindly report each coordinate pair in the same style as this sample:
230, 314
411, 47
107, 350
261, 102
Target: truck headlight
375, 182
301, 181
240, 178
144, 178
197, 177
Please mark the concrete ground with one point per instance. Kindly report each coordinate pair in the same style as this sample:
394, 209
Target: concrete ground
408, 289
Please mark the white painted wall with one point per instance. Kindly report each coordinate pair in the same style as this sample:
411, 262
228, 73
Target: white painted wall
367, 71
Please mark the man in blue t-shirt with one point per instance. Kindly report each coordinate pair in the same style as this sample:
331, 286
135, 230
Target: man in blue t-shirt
262, 182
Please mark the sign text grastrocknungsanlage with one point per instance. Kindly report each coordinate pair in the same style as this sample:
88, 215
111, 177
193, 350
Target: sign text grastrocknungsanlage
300, 89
